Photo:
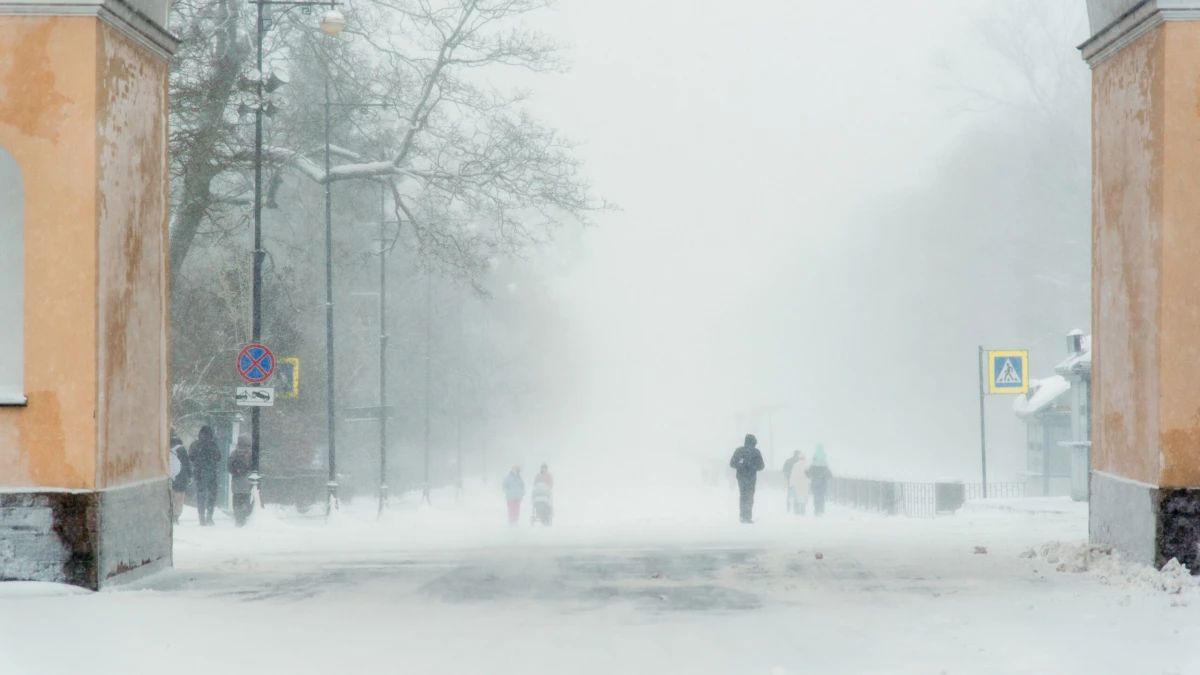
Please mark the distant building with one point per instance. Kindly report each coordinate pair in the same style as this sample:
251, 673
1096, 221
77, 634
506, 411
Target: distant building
1056, 413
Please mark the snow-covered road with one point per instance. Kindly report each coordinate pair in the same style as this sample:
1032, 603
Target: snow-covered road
450, 590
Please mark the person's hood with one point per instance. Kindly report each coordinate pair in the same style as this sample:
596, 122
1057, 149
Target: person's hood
819, 456
751, 441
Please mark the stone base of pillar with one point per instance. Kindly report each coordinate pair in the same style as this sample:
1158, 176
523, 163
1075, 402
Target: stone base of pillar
1147, 524
85, 538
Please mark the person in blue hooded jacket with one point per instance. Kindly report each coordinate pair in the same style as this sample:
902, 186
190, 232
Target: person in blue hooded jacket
747, 461
514, 492
820, 475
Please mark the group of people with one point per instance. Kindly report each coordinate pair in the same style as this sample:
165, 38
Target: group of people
200, 466
542, 496
799, 474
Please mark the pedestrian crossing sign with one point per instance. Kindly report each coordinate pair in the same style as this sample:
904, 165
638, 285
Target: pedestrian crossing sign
1008, 372
287, 377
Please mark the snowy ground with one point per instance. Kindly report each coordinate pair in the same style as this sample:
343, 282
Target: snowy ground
451, 589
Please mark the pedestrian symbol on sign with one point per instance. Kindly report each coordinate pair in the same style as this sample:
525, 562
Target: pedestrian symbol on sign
1008, 375
1008, 372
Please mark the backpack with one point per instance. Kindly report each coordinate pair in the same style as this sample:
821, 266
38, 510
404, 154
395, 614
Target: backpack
179, 456
240, 461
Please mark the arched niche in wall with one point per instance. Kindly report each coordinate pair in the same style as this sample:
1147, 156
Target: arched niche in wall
12, 281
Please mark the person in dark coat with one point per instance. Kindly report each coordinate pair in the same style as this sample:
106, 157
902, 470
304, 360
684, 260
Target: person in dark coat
241, 463
181, 475
747, 461
820, 474
206, 468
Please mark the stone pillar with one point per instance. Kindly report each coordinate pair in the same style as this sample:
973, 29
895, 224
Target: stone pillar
84, 495
1145, 483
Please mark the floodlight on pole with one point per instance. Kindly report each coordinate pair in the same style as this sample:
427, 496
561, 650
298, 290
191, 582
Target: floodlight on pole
332, 22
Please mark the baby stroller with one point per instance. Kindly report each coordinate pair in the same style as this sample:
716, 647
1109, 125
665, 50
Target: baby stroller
543, 504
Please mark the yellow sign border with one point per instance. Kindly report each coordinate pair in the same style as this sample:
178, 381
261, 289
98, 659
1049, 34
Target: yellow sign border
295, 392
1023, 354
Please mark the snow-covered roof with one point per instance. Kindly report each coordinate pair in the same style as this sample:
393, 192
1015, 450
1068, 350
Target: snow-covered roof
1042, 394
1077, 363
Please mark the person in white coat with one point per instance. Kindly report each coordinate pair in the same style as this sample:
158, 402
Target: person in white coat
795, 469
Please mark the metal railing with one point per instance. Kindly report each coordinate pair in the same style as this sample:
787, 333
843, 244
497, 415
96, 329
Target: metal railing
914, 500
995, 490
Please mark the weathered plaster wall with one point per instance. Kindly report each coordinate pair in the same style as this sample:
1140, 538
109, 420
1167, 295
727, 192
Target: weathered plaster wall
1179, 395
132, 218
1127, 205
47, 108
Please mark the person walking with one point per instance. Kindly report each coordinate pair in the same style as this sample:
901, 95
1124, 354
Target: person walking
820, 474
181, 475
206, 465
543, 497
514, 492
788, 466
747, 461
798, 484
240, 464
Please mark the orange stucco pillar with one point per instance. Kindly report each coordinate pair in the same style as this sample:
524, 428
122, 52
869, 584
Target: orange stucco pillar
1145, 484
84, 289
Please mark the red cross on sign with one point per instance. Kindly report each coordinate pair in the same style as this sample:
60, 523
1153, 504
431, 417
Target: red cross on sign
256, 363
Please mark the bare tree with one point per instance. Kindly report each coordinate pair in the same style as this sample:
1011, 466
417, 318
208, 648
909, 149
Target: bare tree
468, 166
213, 52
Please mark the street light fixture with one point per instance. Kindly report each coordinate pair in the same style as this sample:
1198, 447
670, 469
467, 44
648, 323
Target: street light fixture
332, 22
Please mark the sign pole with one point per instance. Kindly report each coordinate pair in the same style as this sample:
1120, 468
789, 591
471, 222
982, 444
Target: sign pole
982, 431
256, 302
255, 363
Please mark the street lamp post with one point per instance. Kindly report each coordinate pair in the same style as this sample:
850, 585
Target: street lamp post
428, 377
383, 341
383, 336
332, 22
331, 502
383, 344
458, 387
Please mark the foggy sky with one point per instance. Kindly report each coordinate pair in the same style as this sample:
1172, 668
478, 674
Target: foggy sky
755, 149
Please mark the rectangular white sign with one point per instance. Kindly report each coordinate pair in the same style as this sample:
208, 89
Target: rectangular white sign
256, 396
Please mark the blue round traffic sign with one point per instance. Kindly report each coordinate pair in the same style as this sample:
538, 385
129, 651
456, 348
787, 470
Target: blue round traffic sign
255, 363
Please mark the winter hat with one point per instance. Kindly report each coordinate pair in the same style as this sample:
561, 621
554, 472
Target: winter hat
819, 456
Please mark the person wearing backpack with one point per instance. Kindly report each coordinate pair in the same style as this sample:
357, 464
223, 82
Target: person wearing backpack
747, 461
181, 475
241, 463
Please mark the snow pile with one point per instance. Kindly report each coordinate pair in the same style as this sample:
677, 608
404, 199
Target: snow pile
1078, 558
